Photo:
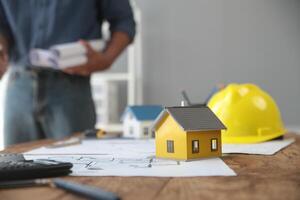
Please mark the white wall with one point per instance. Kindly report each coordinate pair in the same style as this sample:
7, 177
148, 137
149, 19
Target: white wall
194, 44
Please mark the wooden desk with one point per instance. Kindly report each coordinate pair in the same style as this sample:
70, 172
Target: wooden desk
259, 177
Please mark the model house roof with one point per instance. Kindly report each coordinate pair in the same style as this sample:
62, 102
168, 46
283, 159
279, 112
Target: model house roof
144, 112
192, 118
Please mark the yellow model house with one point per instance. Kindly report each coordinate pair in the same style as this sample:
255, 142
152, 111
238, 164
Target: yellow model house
187, 133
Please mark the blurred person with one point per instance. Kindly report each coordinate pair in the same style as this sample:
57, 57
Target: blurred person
45, 103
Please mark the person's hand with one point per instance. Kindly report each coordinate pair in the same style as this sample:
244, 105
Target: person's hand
96, 61
3, 57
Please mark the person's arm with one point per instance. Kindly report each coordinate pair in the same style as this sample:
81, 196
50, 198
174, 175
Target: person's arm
122, 26
4, 41
98, 61
3, 55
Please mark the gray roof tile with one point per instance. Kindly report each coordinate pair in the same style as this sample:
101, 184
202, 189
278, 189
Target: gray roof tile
192, 118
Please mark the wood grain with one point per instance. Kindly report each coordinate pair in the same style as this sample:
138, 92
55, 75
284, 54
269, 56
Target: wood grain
259, 177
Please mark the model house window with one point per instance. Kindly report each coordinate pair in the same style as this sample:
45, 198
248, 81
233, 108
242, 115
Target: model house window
145, 131
170, 146
153, 134
131, 130
195, 146
214, 144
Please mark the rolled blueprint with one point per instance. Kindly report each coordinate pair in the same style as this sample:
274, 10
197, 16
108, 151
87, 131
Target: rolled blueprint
63, 55
71, 62
42, 58
75, 48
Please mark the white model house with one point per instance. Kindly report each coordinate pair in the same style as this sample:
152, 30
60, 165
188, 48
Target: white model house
137, 120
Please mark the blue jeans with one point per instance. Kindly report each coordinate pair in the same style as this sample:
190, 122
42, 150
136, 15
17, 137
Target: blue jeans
42, 103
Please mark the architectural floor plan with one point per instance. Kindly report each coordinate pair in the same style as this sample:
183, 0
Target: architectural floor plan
124, 157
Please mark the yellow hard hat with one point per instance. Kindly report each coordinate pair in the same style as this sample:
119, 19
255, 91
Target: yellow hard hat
248, 112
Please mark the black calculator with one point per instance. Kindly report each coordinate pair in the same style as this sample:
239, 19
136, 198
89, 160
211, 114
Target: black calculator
16, 167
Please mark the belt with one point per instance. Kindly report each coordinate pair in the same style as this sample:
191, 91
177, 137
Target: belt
44, 71
41, 72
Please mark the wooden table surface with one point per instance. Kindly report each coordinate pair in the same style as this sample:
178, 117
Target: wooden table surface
258, 177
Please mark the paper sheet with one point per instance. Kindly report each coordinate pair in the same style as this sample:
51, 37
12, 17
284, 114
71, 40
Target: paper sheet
117, 157
265, 148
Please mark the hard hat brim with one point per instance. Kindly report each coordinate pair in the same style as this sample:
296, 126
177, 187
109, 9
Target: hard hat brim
250, 139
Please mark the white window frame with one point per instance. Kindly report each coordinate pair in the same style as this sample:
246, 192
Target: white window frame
170, 146
131, 130
194, 148
145, 131
214, 144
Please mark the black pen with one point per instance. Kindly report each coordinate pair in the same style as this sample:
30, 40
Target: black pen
86, 191
82, 190
24, 183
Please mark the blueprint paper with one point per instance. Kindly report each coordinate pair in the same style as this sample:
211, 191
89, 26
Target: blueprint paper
44, 58
75, 48
119, 157
41, 57
63, 55
71, 62
124, 147
265, 148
